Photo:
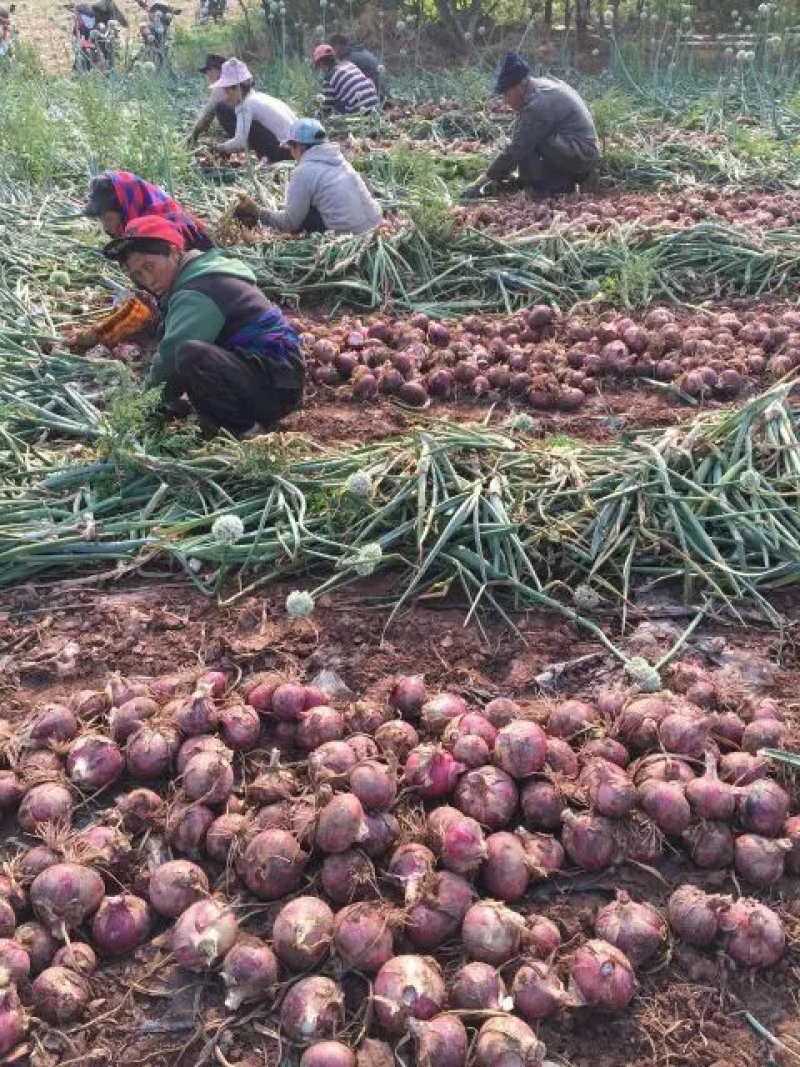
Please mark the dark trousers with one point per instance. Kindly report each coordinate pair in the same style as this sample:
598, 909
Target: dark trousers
313, 223
260, 140
559, 164
232, 390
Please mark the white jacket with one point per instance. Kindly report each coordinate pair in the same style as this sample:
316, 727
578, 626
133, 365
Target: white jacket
271, 112
325, 180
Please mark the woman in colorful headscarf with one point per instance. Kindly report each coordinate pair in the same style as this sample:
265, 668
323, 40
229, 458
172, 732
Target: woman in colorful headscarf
117, 197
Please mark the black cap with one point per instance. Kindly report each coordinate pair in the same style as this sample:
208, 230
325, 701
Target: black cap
102, 197
512, 71
213, 62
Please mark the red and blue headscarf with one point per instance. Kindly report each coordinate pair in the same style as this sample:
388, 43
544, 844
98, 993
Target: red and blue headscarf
138, 198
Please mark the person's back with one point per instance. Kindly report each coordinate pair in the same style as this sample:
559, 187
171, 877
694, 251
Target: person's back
271, 112
556, 102
337, 191
348, 90
365, 60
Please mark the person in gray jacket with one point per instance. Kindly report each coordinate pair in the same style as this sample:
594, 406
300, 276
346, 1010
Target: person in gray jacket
553, 143
325, 194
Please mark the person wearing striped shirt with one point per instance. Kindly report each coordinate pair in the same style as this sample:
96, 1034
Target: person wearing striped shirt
346, 89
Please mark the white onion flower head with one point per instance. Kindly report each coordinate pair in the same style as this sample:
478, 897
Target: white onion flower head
643, 674
401, 25
195, 564
751, 56
319, 31
522, 422
299, 604
323, 4
367, 559
482, 31
359, 485
148, 66
741, 57
586, 598
749, 481
227, 529
381, 68
729, 52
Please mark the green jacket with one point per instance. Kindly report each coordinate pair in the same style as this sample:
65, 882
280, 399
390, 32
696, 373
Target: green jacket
193, 314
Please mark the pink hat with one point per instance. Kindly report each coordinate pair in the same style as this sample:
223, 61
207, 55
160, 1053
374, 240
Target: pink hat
322, 51
234, 72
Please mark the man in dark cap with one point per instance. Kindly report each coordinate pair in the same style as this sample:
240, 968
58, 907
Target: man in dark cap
553, 143
217, 106
367, 63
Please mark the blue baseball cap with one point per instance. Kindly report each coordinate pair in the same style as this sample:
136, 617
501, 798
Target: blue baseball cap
306, 132
511, 72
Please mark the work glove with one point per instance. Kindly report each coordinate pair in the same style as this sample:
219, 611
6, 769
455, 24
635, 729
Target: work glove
474, 192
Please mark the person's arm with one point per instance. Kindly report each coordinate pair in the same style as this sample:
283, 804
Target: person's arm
298, 205
238, 143
331, 93
204, 119
191, 317
533, 125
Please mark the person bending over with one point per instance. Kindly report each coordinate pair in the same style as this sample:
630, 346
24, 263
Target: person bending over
553, 143
216, 107
262, 121
349, 51
346, 90
325, 194
117, 198
222, 344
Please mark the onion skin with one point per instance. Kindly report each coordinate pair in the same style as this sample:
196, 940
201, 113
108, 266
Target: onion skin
348, 876
694, 915
754, 936
318, 725
601, 976
440, 1041
520, 749
175, 886
140, 809
60, 996
328, 1054
94, 761
791, 831
408, 987
65, 895
609, 789
506, 1041
397, 738
362, 938
457, 840
492, 933
760, 860
312, 1010
273, 864
203, 935
711, 845
11, 791
372, 1053
303, 932
501, 712
15, 963
478, 987
150, 752
410, 866
12, 1020
77, 957
121, 924
53, 723
431, 771
440, 910
8, 919
571, 718
638, 930
438, 712
332, 762
127, 719
208, 779
187, 826
590, 840
488, 795
543, 853
249, 971
538, 992
742, 768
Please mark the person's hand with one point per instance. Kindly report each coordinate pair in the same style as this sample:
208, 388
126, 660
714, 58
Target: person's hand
474, 192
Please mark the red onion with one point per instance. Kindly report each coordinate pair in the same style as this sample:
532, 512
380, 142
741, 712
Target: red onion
40, 945
506, 1041
542, 937
544, 854
226, 836
166, 687
126, 720
666, 804
590, 840
501, 712
11, 791
637, 724
709, 797
12, 892
53, 723
150, 751
766, 708
348, 876
381, 834
561, 759
274, 783
408, 695
431, 771
198, 715
328, 1054
94, 761
203, 935
121, 924
791, 831
175, 886
411, 865
78, 957
120, 690
215, 681
397, 738
710, 845
441, 710
15, 963
332, 762
694, 915
249, 971
258, 692
440, 910
571, 718
272, 864
608, 749
374, 784
13, 1023
728, 727
760, 860
363, 746
140, 809
8, 919
457, 840
470, 725
289, 701
36, 860
302, 933
609, 789
312, 1009
488, 795
742, 768
408, 987
684, 735
362, 938
340, 824
520, 748
66, 894
478, 987
763, 733
239, 727
105, 844
187, 826
538, 992
60, 996
88, 702
45, 803
602, 976
638, 930
754, 936
439, 1042
662, 769
208, 778
492, 933
764, 807
542, 805
506, 873
319, 725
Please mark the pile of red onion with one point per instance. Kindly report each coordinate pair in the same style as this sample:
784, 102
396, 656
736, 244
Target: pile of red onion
386, 832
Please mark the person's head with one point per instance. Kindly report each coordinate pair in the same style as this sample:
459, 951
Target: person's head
6, 11
212, 68
340, 44
323, 57
512, 80
237, 81
150, 251
304, 134
104, 206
